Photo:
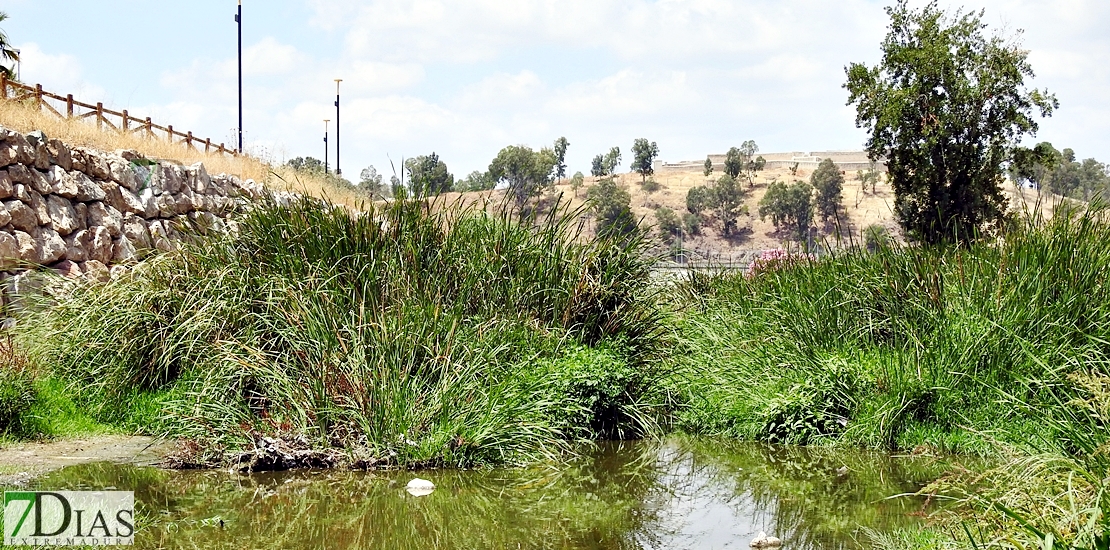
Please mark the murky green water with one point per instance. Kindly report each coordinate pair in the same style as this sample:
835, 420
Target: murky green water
674, 494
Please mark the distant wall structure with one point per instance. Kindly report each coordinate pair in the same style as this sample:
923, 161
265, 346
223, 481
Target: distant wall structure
848, 161
82, 212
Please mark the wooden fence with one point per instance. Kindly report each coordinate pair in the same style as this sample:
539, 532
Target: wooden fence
122, 121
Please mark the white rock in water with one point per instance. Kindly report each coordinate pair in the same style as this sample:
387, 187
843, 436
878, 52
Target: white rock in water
765, 541
420, 487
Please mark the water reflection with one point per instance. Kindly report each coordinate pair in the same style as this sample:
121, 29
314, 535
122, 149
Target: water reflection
672, 494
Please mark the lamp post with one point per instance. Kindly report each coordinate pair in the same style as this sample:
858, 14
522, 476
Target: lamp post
338, 169
326, 121
239, 22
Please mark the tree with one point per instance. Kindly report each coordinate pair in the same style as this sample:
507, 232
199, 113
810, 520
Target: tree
644, 154
576, 182
728, 201
475, 181
612, 161
790, 207
597, 167
667, 223
610, 203
7, 53
371, 182
945, 107
868, 177
708, 167
308, 165
734, 162
699, 199
428, 175
750, 163
828, 182
526, 172
561, 145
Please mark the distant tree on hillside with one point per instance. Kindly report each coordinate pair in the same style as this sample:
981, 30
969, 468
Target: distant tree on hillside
868, 177
610, 202
667, 224
370, 181
790, 207
561, 145
7, 53
828, 182
750, 162
475, 181
728, 203
1060, 172
699, 199
597, 166
428, 175
612, 161
526, 172
576, 182
708, 171
734, 162
306, 164
643, 154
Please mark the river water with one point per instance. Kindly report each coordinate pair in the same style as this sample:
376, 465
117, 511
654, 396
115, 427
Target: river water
677, 493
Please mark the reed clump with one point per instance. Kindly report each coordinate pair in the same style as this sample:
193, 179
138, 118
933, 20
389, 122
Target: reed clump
1000, 348
409, 334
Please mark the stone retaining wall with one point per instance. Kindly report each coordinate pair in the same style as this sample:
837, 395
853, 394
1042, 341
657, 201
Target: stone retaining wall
81, 211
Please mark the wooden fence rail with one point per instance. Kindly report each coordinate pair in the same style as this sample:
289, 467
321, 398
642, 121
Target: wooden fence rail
21, 92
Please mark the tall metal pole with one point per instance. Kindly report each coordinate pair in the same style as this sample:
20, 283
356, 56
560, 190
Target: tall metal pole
326, 121
338, 169
239, 21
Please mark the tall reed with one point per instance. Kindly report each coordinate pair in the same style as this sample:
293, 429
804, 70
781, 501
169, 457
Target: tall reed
411, 333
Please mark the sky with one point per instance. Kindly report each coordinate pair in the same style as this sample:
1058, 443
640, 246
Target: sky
464, 78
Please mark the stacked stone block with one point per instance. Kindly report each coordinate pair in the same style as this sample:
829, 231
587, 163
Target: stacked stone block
82, 211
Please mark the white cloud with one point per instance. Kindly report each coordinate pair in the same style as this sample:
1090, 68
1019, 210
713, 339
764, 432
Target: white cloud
58, 73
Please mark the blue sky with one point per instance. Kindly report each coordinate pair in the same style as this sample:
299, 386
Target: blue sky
464, 78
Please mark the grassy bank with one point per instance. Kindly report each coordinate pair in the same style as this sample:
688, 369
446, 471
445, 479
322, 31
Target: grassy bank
998, 349
408, 335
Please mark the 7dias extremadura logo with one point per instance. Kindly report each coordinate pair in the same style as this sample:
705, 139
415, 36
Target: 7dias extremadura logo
63, 518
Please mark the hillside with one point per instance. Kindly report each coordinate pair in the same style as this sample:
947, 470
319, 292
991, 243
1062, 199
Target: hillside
862, 208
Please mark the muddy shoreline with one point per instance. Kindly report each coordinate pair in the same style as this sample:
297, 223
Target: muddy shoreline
21, 462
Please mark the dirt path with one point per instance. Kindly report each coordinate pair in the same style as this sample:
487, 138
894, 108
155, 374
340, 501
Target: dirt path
20, 462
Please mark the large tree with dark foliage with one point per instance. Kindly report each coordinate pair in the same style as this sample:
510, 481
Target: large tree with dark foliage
945, 108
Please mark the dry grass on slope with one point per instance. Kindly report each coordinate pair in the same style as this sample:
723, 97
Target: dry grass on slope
26, 117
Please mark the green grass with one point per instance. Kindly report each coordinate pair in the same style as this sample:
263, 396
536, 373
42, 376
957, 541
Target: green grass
416, 334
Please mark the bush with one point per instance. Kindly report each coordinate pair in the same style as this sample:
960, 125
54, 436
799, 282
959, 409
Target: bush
667, 223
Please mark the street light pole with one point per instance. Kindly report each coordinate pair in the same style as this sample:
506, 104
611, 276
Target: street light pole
239, 22
338, 169
326, 121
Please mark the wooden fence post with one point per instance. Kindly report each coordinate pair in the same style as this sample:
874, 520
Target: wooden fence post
207, 145
99, 115
169, 135
123, 127
4, 85
69, 105
189, 140
149, 129
38, 94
